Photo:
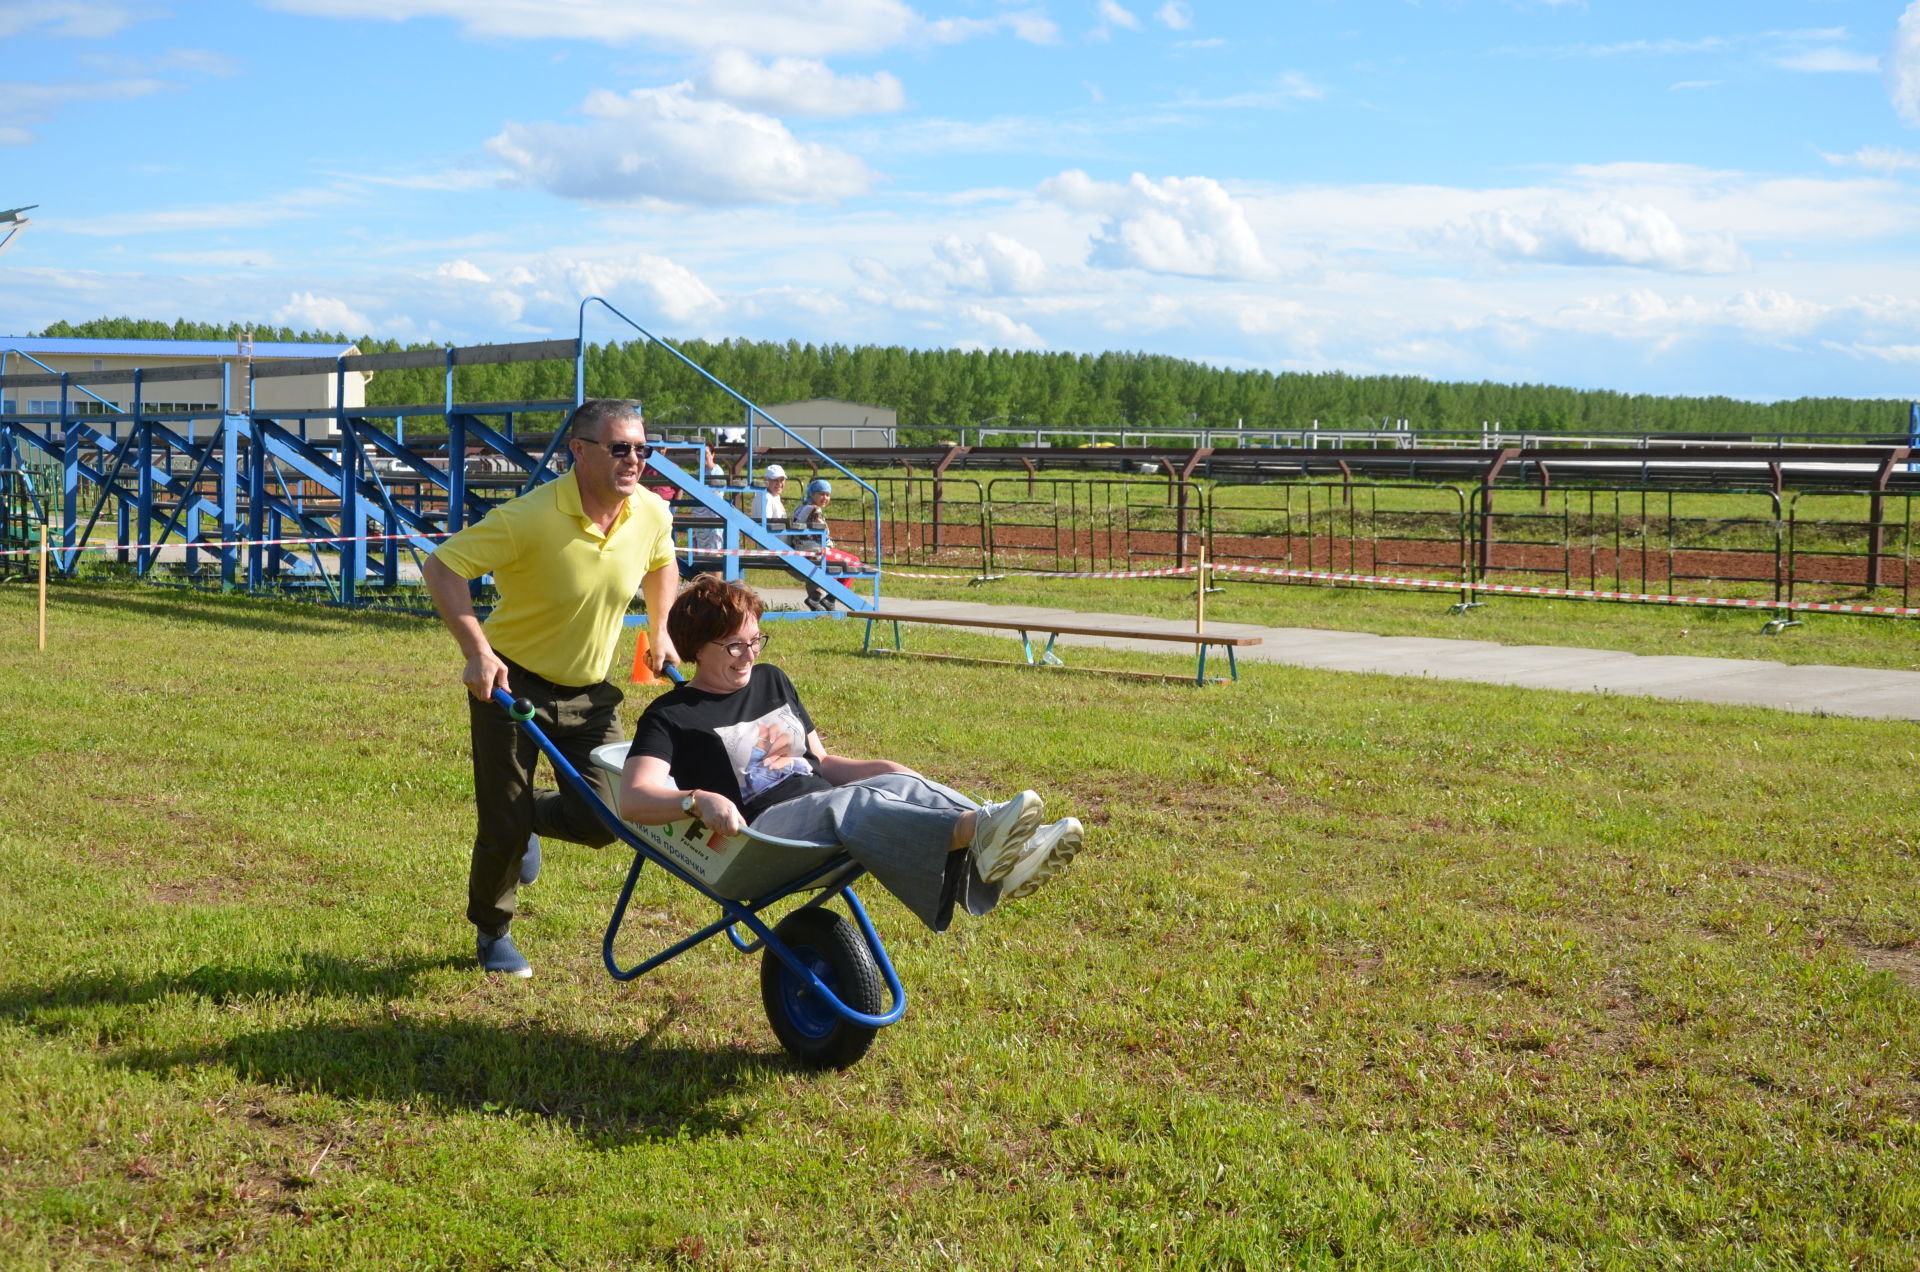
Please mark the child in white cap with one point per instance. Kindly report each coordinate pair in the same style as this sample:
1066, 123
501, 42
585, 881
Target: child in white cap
768, 508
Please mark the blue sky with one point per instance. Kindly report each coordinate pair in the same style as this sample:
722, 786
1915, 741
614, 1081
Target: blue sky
1674, 197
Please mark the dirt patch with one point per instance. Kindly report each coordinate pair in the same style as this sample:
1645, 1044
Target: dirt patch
296, 1158
1612, 567
1755, 870
1494, 982
1903, 961
199, 891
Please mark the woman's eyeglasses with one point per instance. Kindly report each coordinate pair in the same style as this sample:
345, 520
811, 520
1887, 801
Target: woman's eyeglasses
621, 450
741, 648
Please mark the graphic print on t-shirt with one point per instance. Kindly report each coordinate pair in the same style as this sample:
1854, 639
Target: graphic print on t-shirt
767, 751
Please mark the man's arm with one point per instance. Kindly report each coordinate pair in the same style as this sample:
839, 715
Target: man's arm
660, 587
484, 671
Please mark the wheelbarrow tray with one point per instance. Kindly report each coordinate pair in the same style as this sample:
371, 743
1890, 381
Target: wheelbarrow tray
738, 867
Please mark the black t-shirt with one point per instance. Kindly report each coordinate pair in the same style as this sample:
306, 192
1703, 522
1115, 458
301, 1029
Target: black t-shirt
749, 745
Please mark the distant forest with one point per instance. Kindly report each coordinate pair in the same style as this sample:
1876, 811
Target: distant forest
939, 391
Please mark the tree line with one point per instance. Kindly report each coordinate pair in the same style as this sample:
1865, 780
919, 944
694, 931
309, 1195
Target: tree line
937, 392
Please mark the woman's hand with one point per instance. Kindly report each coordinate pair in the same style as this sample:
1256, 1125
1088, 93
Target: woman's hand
718, 814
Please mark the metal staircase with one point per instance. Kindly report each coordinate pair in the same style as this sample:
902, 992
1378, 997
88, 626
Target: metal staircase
244, 496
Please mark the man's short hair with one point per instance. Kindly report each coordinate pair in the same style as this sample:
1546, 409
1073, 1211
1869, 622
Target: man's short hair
591, 417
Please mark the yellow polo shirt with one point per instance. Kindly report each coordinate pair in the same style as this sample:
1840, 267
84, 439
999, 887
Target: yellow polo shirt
564, 586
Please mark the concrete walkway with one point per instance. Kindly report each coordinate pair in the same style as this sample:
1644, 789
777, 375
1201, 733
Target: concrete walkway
1820, 690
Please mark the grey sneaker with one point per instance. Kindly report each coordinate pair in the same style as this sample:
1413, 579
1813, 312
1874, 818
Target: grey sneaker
1050, 851
1001, 832
499, 954
530, 864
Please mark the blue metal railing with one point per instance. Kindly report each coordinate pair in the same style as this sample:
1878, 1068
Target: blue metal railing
753, 410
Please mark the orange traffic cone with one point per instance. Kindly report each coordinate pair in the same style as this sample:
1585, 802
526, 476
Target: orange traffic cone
643, 674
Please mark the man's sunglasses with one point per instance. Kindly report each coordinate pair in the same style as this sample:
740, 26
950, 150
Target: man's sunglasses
621, 450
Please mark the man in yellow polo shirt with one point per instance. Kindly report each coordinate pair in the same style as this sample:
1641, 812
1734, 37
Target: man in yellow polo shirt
566, 559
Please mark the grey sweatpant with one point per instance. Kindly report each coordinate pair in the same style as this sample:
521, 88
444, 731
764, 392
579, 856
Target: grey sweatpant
898, 826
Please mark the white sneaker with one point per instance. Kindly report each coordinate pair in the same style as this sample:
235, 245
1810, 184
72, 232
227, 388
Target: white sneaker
1050, 851
1001, 832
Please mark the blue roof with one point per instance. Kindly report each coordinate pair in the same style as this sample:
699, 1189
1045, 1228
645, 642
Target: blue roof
41, 346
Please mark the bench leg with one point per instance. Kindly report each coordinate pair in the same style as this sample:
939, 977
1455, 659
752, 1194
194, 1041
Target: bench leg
1233, 665
866, 645
1200, 677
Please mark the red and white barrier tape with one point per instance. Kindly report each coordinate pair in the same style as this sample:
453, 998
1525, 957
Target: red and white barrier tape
832, 554
53, 547
1060, 574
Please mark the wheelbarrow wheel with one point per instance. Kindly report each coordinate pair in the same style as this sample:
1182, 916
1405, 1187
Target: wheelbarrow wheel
818, 1036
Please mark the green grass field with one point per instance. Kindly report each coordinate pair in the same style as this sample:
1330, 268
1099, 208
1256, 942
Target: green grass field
1355, 972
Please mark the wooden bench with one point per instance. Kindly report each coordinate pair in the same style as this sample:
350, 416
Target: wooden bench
1202, 641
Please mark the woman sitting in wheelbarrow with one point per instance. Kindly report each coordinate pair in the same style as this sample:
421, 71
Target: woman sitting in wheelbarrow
735, 747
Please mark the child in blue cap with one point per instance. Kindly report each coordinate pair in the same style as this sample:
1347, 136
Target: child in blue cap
811, 516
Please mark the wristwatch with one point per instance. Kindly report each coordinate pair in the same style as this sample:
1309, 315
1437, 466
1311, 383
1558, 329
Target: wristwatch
686, 801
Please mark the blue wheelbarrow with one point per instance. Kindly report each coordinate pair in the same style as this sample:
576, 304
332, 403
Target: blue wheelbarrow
821, 977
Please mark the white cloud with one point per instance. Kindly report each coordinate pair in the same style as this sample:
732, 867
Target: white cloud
1828, 59
552, 285
23, 99
291, 205
1285, 88
242, 258
445, 179
1030, 25
665, 144
1175, 15
464, 271
1002, 331
310, 312
996, 264
10, 136
1113, 14
76, 19
1611, 233
665, 286
792, 28
1000, 135
1898, 354
1902, 66
1877, 159
798, 86
184, 61
1643, 313
1182, 225
22, 103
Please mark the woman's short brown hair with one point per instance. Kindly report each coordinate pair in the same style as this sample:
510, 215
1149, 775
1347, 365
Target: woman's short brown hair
708, 609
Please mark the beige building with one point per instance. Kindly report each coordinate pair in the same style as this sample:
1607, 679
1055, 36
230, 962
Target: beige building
210, 395
831, 424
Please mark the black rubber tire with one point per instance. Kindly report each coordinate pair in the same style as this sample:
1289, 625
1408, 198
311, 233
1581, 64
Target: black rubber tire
816, 1035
